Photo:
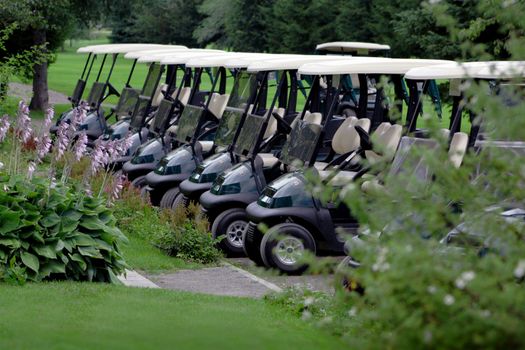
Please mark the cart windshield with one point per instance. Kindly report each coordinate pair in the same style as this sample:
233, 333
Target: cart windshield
127, 101
301, 143
409, 163
139, 113
96, 93
249, 134
79, 90
188, 122
162, 117
152, 80
228, 126
244, 86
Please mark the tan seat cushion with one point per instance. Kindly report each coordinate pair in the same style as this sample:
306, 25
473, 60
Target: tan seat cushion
342, 178
269, 160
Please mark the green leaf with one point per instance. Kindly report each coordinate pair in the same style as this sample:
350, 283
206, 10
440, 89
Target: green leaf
50, 219
79, 259
45, 251
92, 252
52, 267
92, 223
30, 261
9, 221
10, 242
82, 240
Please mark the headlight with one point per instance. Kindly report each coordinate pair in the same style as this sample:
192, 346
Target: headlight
198, 177
143, 159
226, 189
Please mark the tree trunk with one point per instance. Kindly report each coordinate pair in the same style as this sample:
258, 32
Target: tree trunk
40, 100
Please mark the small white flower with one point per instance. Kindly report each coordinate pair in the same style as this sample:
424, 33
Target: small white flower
309, 301
448, 299
306, 315
432, 289
485, 313
468, 276
352, 312
519, 271
427, 336
460, 283
1, 165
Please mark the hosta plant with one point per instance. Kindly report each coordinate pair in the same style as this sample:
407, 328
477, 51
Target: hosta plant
54, 231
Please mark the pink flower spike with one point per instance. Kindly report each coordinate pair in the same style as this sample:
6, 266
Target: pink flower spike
62, 139
50, 113
118, 185
4, 127
80, 146
31, 169
43, 146
23, 123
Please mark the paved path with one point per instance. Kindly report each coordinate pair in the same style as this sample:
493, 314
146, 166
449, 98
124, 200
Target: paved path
25, 91
238, 277
134, 279
221, 280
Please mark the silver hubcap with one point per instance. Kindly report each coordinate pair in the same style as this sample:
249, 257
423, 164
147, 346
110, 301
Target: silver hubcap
289, 250
235, 231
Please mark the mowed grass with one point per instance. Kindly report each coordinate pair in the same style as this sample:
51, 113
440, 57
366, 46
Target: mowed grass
67, 315
141, 255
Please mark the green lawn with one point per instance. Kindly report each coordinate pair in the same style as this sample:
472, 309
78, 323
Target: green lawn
141, 255
95, 316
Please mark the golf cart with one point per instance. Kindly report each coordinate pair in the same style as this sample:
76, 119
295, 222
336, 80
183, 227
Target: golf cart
162, 183
146, 158
234, 188
297, 220
95, 120
404, 165
155, 96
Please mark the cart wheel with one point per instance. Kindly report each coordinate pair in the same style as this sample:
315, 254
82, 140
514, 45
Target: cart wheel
284, 245
179, 201
144, 194
252, 245
139, 182
167, 199
232, 224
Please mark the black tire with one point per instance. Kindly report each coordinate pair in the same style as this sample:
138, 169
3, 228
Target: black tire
167, 199
139, 182
289, 235
144, 194
179, 201
232, 224
252, 245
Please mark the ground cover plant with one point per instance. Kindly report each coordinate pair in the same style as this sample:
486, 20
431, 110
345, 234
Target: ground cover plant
53, 227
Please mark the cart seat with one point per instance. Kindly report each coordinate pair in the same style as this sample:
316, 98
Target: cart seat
218, 104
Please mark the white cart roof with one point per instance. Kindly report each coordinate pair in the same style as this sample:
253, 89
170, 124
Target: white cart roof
464, 70
243, 59
244, 62
503, 70
351, 46
124, 48
183, 57
290, 62
157, 51
367, 65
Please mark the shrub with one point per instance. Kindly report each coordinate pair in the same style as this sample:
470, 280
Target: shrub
189, 237
180, 233
56, 232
